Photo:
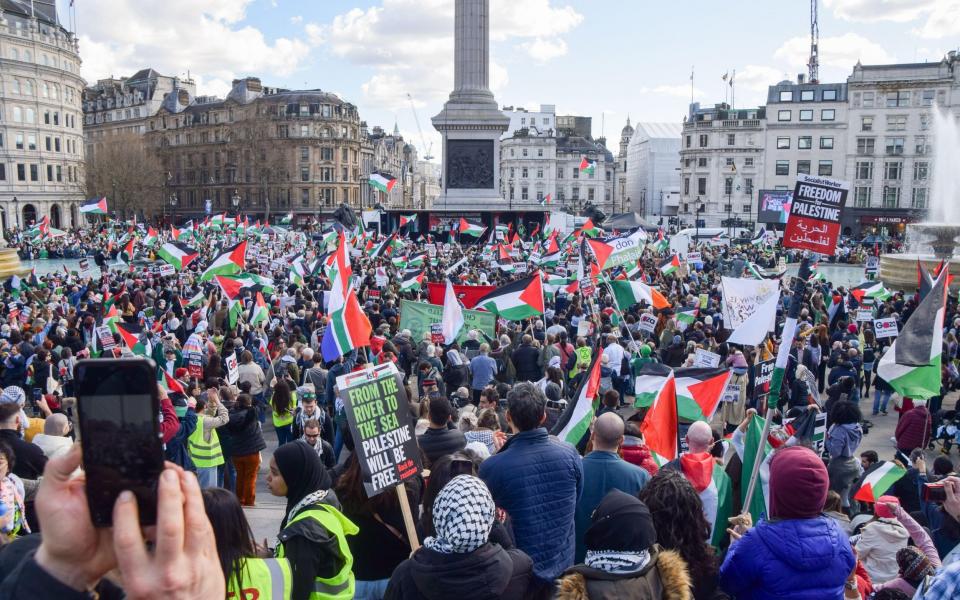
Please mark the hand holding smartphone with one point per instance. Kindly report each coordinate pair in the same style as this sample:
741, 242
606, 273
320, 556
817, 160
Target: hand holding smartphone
119, 409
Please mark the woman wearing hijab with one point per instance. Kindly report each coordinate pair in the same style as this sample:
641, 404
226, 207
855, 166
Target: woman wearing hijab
799, 553
459, 561
623, 559
313, 531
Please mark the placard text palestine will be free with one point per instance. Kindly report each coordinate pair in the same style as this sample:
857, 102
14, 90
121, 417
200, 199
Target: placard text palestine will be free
373, 404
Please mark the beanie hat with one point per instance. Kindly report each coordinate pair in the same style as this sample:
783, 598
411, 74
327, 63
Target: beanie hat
620, 523
913, 564
645, 351
881, 510
798, 484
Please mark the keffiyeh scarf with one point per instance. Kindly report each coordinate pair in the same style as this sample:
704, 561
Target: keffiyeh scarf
619, 562
462, 516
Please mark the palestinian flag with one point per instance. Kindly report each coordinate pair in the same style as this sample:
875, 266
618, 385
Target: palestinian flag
649, 384
759, 504
552, 285
298, 272
130, 334
417, 260
259, 311
197, 300
671, 264
912, 363
628, 293
877, 480
384, 183
94, 206
754, 270
662, 244
412, 280
660, 425
231, 289
408, 219
232, 260
112, 318
870, 289
615, 251
173, 386
152, 236
589, 229
504, 260
177, 254
760, 238
180, 235
699, 391
348, 327
715, 490
545, 200
517, 300
287, 219
575, 420
816, 275
687, 315
472, 229
588, 166
128, 250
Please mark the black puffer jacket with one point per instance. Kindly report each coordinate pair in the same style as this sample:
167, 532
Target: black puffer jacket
487, 573
244, 431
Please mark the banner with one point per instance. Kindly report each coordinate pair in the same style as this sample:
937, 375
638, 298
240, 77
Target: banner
814, 222
377, 412
419, 316
743, 297
466, 294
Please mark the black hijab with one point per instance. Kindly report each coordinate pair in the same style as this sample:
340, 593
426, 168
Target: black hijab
302, 470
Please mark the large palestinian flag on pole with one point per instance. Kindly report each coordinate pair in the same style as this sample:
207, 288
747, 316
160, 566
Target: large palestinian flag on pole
177, 254
659, 427
515, 301
95, 206
870, 289
232, 260
130, 334
628, 293
877, 480
912, 363
575, 420
671, 264
649, 383
384, 183
470, 228
759, 504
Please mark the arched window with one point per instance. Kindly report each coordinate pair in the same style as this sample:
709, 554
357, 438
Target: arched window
27, 56
27, 88
15, 86
17, 114
45, 90
14, 54
30, 115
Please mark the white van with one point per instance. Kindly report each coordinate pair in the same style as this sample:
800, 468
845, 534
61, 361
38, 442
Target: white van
710, 236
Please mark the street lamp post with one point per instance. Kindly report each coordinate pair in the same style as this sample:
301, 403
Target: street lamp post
16, 210
700, 210
235, 199
173, 208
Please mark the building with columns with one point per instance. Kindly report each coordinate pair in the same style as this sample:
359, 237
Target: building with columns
621, 204
653, 171
41, 130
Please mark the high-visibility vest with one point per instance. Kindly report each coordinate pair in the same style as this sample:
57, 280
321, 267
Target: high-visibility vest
261, 579
285, 419
203, 453
340, 586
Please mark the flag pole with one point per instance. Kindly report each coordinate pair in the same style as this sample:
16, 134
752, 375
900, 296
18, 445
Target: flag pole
757, 459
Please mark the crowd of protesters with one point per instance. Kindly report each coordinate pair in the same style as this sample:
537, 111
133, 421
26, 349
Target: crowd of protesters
503, 508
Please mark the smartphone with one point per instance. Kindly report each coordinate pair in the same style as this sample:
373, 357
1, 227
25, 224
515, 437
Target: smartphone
934, 492
118, 405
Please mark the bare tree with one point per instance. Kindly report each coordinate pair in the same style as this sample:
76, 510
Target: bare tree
128, 173
261, 152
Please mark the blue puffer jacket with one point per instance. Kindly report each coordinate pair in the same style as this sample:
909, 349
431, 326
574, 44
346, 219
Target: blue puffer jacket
537, 479
799, 559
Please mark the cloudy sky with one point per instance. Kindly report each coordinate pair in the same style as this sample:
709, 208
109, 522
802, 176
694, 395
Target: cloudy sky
600, 58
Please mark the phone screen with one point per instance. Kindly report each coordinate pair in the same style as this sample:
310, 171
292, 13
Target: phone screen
119, 411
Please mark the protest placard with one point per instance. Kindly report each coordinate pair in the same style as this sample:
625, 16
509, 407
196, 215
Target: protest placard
885, 328
106, 338
763, 372
167, 270
705, 358
647, 322
731, 393
233, 369
864, 314
814, 221
436, 333
694, 257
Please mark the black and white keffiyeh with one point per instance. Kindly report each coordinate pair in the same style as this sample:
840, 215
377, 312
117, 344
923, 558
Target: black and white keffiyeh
613, 561
462, 516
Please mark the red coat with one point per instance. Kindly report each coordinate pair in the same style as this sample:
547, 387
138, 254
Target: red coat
641, 457
913, 430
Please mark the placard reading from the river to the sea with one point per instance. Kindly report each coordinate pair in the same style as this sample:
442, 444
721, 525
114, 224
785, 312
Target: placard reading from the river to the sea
383, 432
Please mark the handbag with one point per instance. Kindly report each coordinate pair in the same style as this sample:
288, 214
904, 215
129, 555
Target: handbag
53, 386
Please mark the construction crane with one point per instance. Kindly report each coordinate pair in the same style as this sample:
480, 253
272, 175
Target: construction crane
426, 147
814, 63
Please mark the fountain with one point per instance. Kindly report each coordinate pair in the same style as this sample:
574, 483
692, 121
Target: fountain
934, 240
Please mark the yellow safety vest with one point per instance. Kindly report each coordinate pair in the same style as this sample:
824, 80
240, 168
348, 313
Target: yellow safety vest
340, 586
203, 453
262, 579
284, 420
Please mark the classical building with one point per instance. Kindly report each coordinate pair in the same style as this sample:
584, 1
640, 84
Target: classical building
620, 202
575, 187
426, 184
390, 156
652, 171
528, 170
889, 159
537, 122
721, 164
41, 130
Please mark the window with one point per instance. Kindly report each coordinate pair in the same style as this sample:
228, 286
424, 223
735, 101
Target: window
783, 167
540, 152
748, 162
728, 186
34, 173
32, 142
927, 100
702, 186
304, 173
894, 145
17, 114
524, 151
305, 196
896, 122
783, 143
825, 167
559, 172
826, 143
540, 173
891, 197
27, 88
576, 172
524, 172
893, 170
343, 173
590, 194
919, 199
326, 153
48, 143
786, 96
805, 142
731, 139
49, 172
524, 193
803, 166
783, 115
861, 197
864, 169
748, 187
729, 161
921, 145
703, 140
806, 115
865, 145
924, 122
575, 192
511, 193
15, 86
19, 141
866, 123
897, 99
686, 186
921, 171
21, 172
687, 141
701, 162
828, 114
304, 153
829, 95
806, 96
3, 172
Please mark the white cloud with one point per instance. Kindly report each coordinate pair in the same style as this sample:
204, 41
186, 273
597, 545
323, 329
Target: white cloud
296, 20
940, 18
202, 36
757, 78
403, 39
680, 90
840, 51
